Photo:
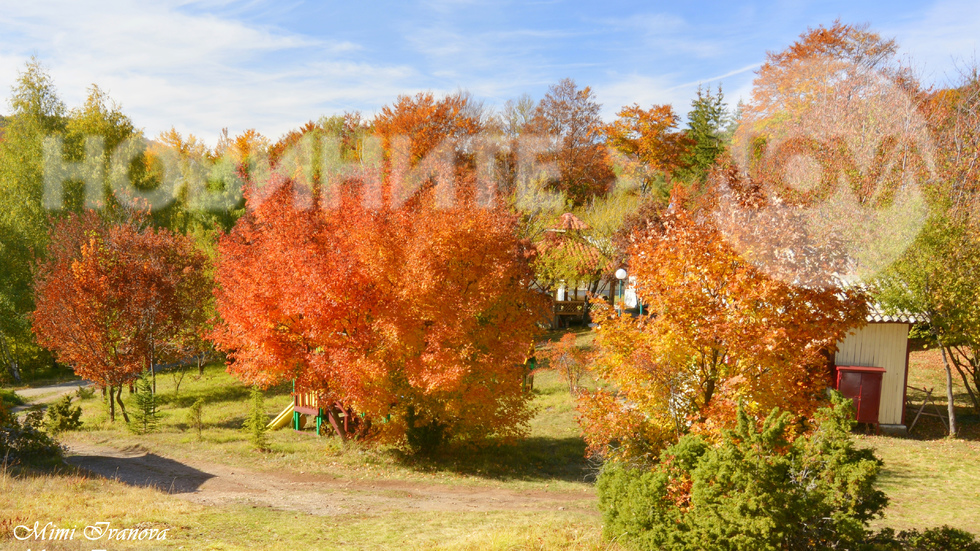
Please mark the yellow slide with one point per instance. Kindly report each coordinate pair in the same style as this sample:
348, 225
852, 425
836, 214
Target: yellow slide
282, 419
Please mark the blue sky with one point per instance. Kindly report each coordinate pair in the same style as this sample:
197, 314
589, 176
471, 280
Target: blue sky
203, 66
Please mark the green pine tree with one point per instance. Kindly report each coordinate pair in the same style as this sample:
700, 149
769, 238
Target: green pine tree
61, 416
706, 125
195, 415
145, 417
256, 422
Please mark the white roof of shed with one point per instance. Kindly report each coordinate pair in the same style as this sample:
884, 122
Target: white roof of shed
877, 315
876, 312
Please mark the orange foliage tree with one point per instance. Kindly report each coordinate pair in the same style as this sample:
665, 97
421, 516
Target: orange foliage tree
650, 142
954, 116
719, 332
569, 360
424, 144
415, 314
427, 122
115, 299
834, 126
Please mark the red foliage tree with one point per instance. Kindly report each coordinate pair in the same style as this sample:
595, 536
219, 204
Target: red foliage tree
114, 299
416, 312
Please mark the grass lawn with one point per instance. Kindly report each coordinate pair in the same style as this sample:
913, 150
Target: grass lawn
73, 500
931, 481
549, 460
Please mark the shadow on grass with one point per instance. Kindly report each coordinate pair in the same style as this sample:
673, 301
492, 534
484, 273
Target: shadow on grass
532, 459
932, 428
898, 475
236, 423
233, 423
146, 471
218, 393
211, 395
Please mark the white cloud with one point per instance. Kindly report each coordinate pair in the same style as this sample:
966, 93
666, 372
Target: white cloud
168, 66
648, 90
205, 65
644, 90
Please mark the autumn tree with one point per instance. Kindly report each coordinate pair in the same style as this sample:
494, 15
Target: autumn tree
415, 313
653, 150
569, 360
52, 159
792, 81
719, 332
423, 140
517, 115
841, 131
834, 128
954, 118
570, 119
936, 276
425, 122
114, 299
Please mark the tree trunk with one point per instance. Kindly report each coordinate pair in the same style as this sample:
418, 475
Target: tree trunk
8, 358
122, 406
966, 382
112, 404
153, 371
178, 375
950, 407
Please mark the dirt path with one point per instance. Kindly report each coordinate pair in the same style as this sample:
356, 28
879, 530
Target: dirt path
47, 394
215, 484
58, 389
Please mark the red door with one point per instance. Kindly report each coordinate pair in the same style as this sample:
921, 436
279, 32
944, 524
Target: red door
863, 386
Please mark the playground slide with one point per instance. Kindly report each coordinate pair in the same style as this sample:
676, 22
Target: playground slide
282, 419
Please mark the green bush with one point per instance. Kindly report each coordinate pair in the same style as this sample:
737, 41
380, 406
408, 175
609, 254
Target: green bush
24, 442
84, 392
62, 416
752, 491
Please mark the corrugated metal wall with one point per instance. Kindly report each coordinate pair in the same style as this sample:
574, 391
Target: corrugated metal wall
881, 345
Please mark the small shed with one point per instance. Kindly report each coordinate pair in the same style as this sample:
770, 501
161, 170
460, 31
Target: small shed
882, 343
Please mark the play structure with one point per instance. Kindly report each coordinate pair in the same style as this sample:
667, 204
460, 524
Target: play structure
284, 417
344, 421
